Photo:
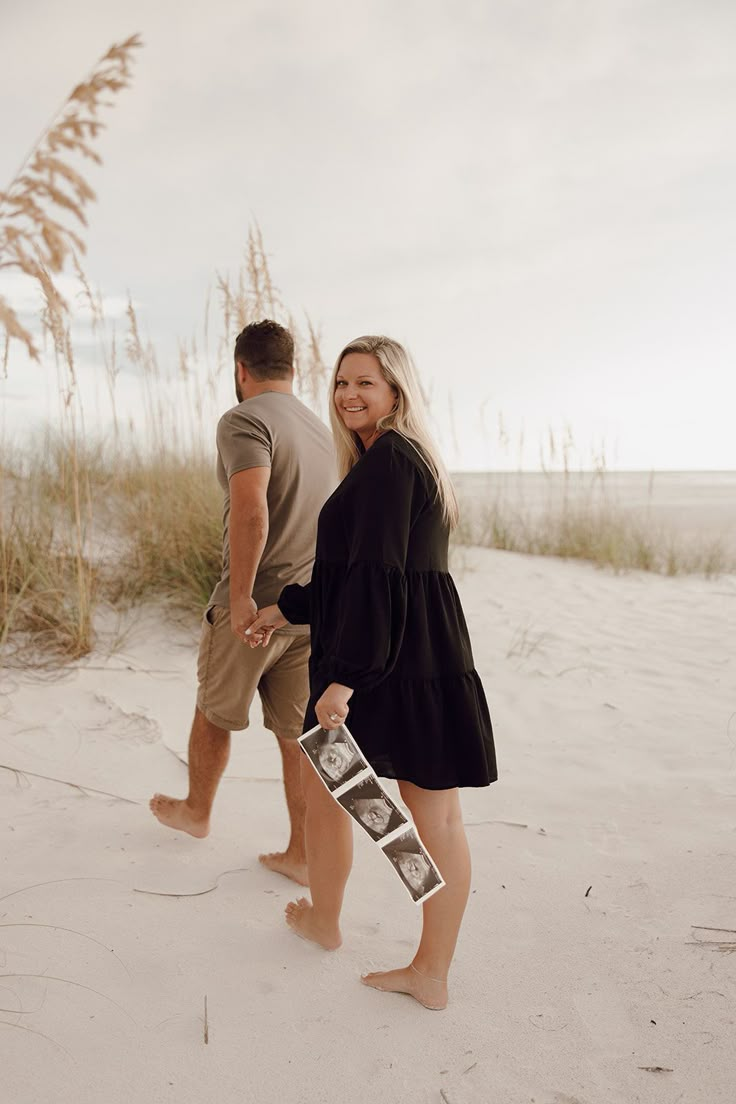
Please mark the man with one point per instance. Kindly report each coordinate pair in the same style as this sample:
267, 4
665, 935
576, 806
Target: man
276, 468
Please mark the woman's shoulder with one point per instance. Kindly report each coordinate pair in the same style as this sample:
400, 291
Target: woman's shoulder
393, 466
393, 448
407, 454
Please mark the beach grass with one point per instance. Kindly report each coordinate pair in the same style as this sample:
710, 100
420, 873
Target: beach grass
600, 532
137, 515
121, 527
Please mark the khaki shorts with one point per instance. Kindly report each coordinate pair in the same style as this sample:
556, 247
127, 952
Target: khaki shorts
230, 672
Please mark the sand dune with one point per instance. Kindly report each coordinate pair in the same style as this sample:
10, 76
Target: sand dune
579, 978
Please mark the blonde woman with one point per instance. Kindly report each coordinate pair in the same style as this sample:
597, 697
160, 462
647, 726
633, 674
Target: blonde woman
390, 648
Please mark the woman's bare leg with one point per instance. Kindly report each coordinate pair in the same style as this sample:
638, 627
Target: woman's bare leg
329, 839
438, 819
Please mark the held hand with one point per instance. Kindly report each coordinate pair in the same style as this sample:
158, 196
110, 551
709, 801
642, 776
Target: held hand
261, 629
242, 612
332, 707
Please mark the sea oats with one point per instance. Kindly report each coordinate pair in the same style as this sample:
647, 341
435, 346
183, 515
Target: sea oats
47, 189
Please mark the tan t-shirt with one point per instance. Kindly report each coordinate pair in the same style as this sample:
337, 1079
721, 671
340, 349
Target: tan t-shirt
277, 431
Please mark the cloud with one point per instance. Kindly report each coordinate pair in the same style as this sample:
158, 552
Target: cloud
537, 197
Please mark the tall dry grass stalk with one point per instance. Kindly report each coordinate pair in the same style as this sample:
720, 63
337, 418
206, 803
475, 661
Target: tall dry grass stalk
49, 188
48, 589
47, 584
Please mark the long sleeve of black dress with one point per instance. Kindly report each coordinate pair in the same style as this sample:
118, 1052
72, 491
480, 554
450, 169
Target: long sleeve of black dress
295, 603
366, 615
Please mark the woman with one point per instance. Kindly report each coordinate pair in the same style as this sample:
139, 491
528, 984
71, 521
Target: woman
390, 648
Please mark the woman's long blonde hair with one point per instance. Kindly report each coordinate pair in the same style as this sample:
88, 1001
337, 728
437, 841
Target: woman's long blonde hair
408, 418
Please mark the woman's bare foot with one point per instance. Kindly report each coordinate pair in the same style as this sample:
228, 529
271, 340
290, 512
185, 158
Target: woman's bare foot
281, 862
301, 919
175, 813
430, 992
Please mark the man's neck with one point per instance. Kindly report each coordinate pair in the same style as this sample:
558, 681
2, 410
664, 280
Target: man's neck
282, 387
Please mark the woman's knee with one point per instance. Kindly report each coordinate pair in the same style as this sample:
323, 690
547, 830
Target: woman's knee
317, 797
434, 810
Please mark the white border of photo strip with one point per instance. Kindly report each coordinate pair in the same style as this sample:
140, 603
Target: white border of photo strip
359, 777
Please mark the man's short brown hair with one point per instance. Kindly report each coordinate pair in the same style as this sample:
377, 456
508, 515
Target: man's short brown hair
266, 349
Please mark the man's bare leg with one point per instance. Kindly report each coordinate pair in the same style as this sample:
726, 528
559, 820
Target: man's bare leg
292, 862
209, 751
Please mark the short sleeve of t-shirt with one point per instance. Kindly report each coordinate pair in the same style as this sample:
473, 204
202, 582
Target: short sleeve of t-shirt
243, 441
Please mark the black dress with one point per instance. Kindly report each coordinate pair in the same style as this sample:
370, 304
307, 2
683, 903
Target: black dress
386, 620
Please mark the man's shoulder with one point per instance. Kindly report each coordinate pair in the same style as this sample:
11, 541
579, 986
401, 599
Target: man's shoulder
242, 435
281, 419
240, 417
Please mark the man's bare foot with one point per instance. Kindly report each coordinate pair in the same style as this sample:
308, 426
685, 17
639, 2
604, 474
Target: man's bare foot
301, 919
430, 992
281, 862
175, 813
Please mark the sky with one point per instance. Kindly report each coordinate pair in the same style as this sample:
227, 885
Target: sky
538, 197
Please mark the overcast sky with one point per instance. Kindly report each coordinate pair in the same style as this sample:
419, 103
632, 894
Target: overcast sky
537, 196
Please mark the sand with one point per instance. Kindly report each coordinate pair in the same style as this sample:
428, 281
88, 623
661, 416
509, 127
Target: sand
581, 977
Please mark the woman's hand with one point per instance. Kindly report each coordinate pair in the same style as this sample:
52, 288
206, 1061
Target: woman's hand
332, 707
261, 630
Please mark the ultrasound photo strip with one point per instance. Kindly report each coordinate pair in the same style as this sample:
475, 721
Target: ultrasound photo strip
372, 809
346, 774
413, 863
335, 756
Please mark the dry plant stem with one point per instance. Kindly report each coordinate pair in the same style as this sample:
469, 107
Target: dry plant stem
46, 186
32, 1031
54, 881
35, 242
76, 984
197, 893
71, 931
74, 785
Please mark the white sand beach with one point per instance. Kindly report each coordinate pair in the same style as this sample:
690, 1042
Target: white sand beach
587, 972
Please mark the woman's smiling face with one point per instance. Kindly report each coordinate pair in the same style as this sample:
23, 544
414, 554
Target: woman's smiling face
362, 395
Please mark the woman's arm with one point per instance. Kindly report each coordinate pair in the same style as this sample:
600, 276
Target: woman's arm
368, 618
295, 603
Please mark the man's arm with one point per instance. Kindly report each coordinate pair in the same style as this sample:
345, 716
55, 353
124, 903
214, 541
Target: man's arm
248, 533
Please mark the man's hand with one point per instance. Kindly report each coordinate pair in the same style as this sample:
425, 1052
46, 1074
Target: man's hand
243, 612
332, 707
260, 630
